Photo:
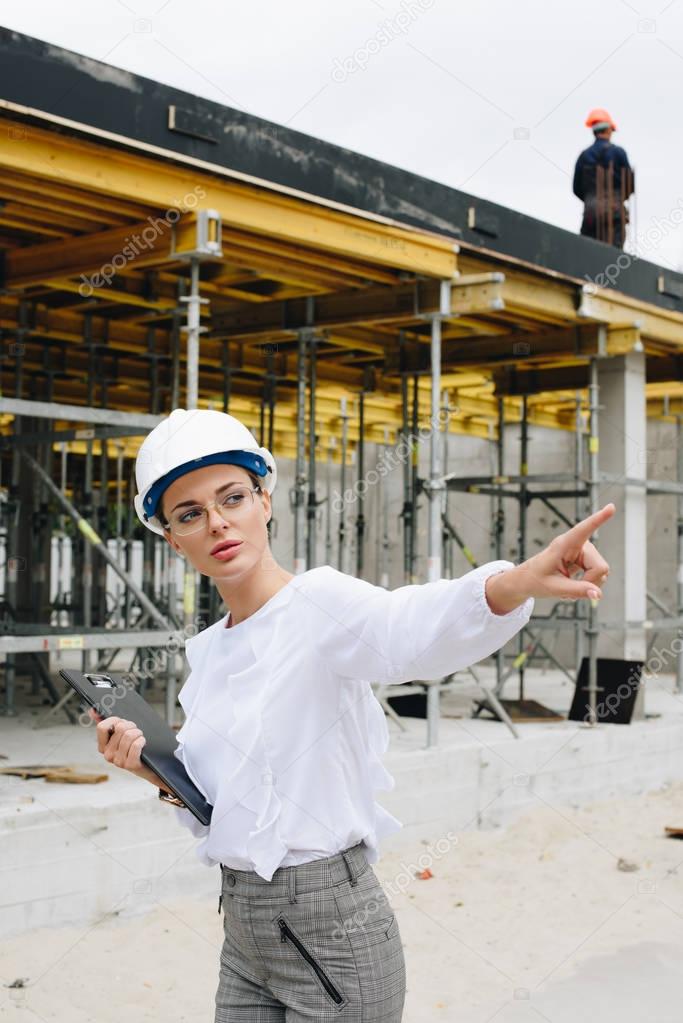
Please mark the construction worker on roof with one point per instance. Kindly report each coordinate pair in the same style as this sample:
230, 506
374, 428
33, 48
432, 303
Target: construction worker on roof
603, 180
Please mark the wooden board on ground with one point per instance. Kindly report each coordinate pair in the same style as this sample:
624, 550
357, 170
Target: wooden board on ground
55, 773
530, 710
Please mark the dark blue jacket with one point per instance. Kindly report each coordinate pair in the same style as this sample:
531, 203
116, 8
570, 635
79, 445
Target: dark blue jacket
601, 152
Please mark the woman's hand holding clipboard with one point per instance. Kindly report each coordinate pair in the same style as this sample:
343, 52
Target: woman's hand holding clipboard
149, 751
120, 741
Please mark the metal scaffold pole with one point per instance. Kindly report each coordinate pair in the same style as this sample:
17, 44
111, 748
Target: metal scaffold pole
192, 330
103, 492
312, 504
148, 538
446, 545
88, 497
521, 534
593, 485
13, 562
299, 490
383, 522
499, 524
118, 589
435, 457
679, 551
208, 245
174, 338
61, 594
331, 447
360, 518
406, 509
271, 378
414, 471
342, 482
436, 486
578, 515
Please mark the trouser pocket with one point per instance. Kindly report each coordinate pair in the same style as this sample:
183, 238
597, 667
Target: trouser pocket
366, 915
330, 988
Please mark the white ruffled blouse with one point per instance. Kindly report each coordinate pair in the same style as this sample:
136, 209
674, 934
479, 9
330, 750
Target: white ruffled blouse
283, 733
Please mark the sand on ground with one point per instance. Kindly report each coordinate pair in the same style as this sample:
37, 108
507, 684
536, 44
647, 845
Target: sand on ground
565, 912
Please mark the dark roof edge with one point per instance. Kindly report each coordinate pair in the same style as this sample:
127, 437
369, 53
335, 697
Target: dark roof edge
65, 84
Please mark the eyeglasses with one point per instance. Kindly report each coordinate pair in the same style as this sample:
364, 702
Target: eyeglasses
232, 506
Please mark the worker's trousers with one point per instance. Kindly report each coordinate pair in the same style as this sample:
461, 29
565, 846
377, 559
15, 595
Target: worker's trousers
319, 941
595, 226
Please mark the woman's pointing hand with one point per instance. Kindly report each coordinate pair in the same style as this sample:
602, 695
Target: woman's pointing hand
550, 573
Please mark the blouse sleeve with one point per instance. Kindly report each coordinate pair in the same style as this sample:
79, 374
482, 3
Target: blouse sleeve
418, 631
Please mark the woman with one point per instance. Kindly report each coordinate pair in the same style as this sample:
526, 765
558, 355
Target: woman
283, 733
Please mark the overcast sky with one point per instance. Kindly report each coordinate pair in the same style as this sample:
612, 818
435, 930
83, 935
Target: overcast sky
488, 96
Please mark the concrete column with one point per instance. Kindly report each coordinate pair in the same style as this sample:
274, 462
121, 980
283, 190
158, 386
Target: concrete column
623, 540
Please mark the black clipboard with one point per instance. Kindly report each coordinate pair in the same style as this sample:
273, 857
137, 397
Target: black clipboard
111, 696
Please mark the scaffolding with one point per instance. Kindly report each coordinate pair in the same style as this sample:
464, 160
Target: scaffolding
324, 330
583, 489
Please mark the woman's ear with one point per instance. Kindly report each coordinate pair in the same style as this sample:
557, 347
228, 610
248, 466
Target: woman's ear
267, 506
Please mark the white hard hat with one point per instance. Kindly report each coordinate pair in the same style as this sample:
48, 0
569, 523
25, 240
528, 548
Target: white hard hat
190, 439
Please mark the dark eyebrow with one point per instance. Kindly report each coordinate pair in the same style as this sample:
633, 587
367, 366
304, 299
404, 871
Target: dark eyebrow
183, 504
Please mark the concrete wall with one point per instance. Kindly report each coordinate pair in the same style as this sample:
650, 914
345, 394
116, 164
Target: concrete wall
549, 451
472, 515
78, 854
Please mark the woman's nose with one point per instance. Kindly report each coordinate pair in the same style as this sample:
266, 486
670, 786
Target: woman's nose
216, 520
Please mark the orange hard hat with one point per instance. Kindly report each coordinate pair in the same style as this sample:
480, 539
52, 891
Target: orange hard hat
600, 116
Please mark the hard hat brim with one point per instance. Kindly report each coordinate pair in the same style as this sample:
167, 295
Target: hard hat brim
251, 460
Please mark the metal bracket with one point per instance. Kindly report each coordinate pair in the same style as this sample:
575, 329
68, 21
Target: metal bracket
208, 239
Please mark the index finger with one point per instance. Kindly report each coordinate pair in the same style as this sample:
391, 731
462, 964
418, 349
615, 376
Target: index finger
582, 530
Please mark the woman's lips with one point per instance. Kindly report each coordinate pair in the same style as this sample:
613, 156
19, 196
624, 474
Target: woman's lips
227, 552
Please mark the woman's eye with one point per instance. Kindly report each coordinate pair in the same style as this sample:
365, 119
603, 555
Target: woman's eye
232, 500
189, 515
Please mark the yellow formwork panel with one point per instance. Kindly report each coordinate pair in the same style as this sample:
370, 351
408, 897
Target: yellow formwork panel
355, 265
167, 186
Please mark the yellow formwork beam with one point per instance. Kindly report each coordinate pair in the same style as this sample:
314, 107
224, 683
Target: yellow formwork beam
617, 309
164, 185
101, 254
547, 298
293, 234
407, 303
115, 295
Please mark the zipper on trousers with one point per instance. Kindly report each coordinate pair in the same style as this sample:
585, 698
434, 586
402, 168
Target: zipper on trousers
286, 932
220, 901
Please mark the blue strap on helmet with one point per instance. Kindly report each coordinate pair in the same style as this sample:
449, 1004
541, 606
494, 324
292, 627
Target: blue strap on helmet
247, 459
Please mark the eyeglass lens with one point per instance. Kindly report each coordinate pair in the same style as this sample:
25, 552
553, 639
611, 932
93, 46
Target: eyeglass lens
230, 506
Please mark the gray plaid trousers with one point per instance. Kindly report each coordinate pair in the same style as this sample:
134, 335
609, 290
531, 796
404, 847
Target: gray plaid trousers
319, 941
